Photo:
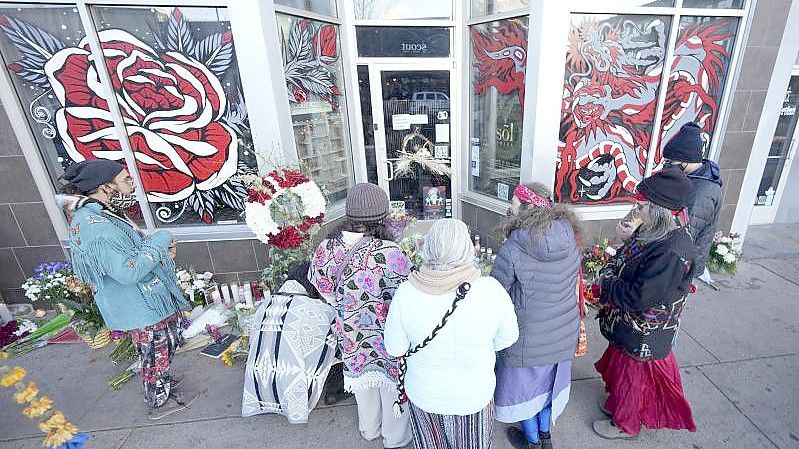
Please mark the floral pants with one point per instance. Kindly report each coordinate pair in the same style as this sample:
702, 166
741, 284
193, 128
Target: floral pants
156, 345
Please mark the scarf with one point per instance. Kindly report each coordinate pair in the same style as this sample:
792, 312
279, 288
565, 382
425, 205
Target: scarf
441, 282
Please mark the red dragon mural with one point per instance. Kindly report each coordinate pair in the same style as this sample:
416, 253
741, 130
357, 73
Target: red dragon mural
613, 73
500, 58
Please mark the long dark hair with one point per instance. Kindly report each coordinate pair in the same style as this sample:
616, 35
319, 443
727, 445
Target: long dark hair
539, 219
72, 189
376, 229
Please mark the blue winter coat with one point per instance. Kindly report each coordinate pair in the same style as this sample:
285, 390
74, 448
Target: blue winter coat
132, 276
541, 277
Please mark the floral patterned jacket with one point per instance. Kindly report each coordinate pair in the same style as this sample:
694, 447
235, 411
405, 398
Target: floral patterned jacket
368, 283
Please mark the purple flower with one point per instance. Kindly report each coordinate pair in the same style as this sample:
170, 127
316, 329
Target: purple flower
349, 301
365, 321
379, 345
398, 262
366, 282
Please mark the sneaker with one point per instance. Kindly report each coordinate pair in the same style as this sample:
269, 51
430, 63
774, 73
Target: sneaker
519, 440
184, 397
606, 429
165, 410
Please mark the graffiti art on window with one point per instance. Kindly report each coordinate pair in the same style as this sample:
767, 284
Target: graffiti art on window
176, 83
613, 71
499, 59
313, 70
697, 76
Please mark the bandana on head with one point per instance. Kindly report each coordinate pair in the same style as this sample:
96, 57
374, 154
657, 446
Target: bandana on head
526, 195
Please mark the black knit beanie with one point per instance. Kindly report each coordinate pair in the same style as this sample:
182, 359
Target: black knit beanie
669, 188
686, 145
366, 203
91, 174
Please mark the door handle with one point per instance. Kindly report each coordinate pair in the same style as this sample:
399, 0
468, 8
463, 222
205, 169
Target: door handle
390, 171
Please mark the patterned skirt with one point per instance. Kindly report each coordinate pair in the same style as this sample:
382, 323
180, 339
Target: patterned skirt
434, 431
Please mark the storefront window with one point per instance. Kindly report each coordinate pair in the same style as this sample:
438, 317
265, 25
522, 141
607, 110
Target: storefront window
611, 84
486, 7
326, 7
175, 75
403, 9
36, 42
499, 59
721, 4
698, 74
312, 63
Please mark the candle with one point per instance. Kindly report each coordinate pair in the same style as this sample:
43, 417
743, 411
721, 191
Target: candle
215, 296
234, 289
247, 290
226, 295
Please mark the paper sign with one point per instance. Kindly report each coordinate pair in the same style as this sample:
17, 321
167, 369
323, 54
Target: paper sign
442, 132
441, 151
475, 160
442, 115
400, 122
397, 207
418, 119
502, 191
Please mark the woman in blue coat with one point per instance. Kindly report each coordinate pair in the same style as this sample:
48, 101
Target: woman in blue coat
132, 274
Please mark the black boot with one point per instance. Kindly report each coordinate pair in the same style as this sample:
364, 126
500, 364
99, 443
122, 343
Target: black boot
546, 440
519, 440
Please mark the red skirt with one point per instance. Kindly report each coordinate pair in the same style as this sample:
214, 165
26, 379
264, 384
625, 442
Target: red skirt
648, 393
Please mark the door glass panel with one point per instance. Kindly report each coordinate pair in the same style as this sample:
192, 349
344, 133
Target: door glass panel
403, 9
368, 123
780, 145
418, 141
403, 42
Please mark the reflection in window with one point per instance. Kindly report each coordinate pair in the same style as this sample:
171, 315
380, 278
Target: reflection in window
403, 9
499, 58
721, 4
611, 84
326, 7
698, 73
313, 69
177, 84
486, 7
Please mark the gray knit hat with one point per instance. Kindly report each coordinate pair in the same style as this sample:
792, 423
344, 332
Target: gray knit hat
366, 203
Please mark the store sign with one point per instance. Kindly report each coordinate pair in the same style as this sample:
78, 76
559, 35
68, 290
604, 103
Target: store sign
506, 134
403, 42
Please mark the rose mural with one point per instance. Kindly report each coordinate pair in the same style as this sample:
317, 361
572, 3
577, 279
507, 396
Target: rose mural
307, 52
185, 130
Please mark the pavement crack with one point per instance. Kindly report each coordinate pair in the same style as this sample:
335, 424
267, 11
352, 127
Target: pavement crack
755, 262
740, 410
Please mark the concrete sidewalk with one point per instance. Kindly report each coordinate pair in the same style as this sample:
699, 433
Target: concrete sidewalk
739, 352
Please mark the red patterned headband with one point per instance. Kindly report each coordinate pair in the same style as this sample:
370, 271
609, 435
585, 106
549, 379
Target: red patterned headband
526, 195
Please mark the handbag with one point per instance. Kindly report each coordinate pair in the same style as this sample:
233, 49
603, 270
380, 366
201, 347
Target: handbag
402, 364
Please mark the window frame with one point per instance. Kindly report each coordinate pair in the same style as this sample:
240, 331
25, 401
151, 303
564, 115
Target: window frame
540, 165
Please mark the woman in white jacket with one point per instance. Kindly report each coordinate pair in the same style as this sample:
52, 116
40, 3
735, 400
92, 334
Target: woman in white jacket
450, 380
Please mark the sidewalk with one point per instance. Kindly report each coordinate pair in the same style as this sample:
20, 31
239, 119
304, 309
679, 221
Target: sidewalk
738, 348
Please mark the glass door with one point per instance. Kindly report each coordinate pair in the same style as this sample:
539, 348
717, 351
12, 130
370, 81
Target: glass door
778, 163
413, 138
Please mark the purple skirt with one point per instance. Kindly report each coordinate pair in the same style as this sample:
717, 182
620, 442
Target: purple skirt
522, 392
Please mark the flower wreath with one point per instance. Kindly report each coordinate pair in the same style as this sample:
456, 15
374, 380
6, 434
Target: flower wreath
262, 201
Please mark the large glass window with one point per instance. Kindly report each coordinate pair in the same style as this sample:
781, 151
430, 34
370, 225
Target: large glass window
498, 62
697, 77
313, 69
179, 94
486, 7
403, 9
326, 7
611, 84
403, 42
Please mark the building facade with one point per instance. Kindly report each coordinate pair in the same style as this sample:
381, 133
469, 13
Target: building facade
445, 104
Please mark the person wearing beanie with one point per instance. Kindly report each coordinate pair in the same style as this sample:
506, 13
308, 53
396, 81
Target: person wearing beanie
642, 293
704, 203
356, 270
131, 274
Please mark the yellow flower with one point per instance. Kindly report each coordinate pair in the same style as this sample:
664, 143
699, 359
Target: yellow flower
227, 357
53, 422
3, 355
11, 378
38, 407
26, 395
60, 435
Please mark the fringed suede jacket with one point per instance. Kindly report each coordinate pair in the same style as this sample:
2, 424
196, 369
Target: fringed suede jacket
131, 274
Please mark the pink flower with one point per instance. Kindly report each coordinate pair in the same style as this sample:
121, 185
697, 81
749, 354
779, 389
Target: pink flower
324, 285
382, 311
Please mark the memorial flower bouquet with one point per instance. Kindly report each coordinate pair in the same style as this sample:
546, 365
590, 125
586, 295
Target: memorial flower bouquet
412, 246
195, 285
724, 252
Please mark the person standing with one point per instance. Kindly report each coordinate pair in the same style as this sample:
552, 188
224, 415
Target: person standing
131, 274
447, 322
685, 150
642, 294
356, 270
538, 265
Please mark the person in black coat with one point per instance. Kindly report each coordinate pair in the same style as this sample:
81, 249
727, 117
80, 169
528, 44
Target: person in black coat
642, 294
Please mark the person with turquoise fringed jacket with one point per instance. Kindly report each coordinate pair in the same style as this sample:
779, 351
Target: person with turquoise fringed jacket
132, 274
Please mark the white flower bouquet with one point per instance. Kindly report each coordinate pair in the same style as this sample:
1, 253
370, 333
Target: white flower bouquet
412, 246
196, 285
724, 253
